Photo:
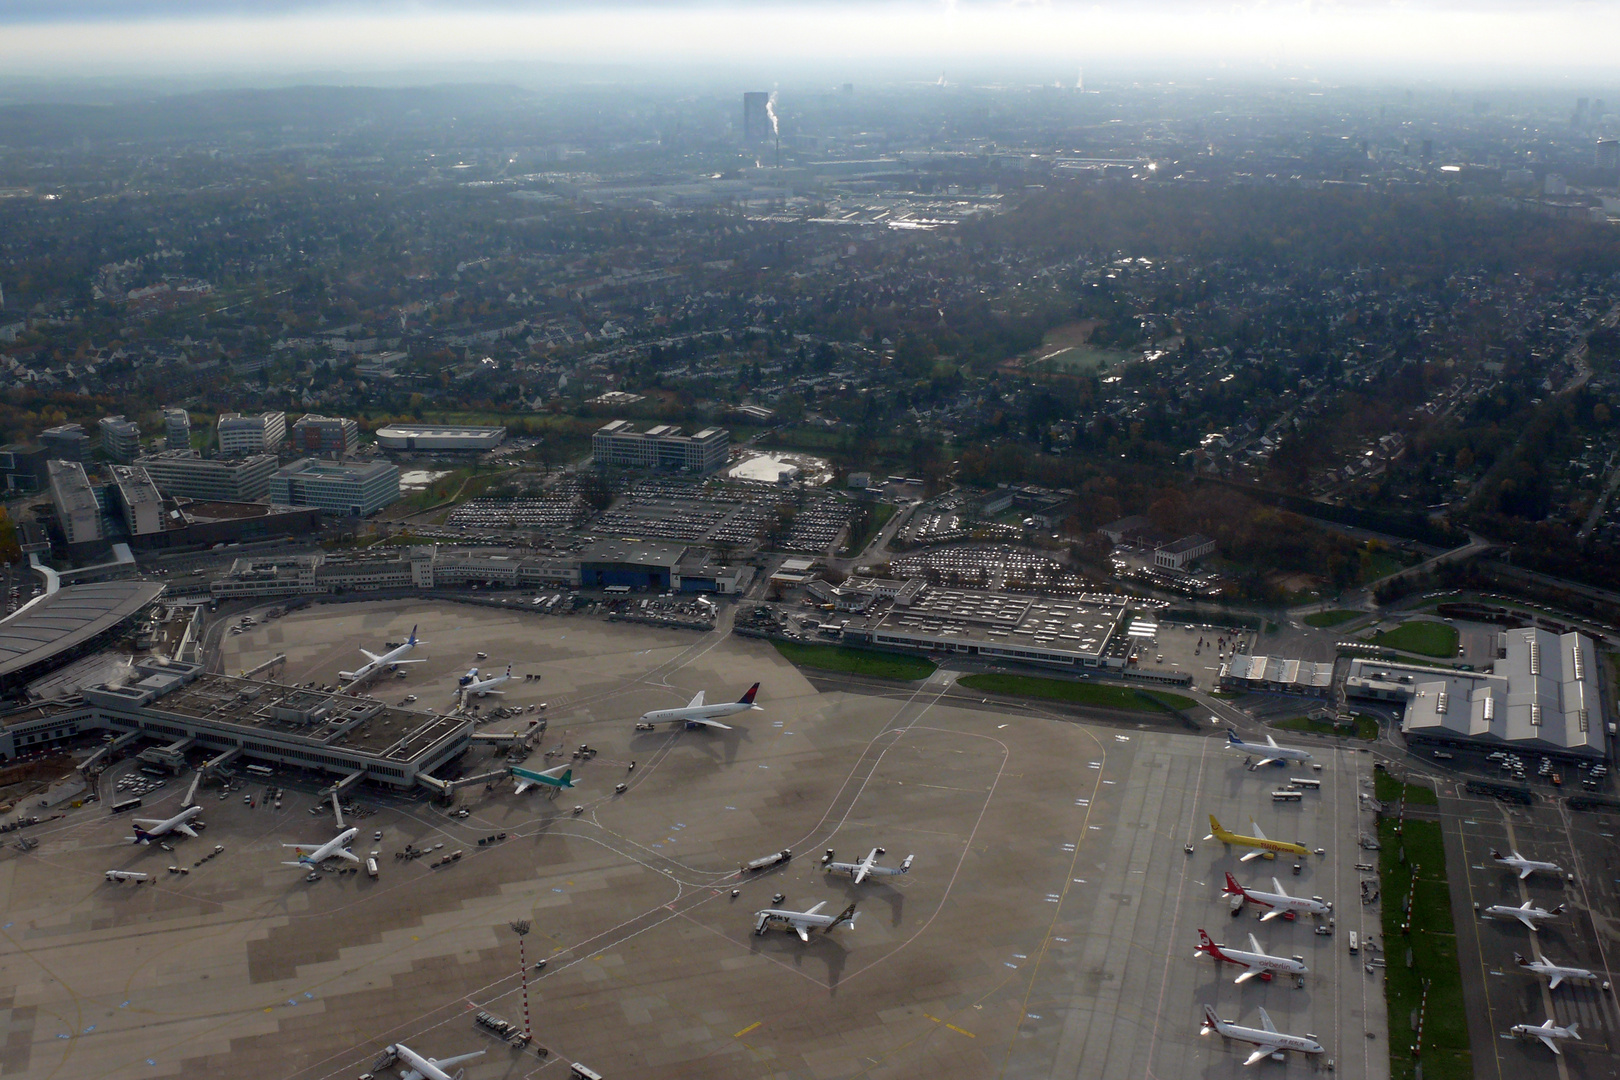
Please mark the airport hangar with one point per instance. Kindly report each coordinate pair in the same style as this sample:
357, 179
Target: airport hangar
181, 706
1541, 697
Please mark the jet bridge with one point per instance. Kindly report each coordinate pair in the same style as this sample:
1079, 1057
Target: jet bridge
108, 751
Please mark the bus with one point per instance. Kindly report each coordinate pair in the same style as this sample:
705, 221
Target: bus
1304, 782
259, 770
125, 804
617, 590
1287, 796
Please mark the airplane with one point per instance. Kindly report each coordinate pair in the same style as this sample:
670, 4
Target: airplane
1263, 846
480, 687
695, 713
1270, 752
528, 778
1524, 866
1556, 974
390, 659
1547, 1033
802, 922
156, 827
1280, 903
426, 1068
1526, 913
1258, 962
1267, 1041
868, 866
312, 855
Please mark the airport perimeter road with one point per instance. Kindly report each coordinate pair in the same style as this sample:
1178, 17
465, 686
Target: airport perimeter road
1117, 992
1497, 993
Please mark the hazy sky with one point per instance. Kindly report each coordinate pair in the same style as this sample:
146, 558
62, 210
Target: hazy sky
1480, 40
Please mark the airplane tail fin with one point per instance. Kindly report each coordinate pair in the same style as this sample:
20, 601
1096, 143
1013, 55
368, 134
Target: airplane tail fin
1232, 887
1211, 1021
1232, 737
566, 779
748, 698
412, 638
141, 836
1215, 828
847, 915
1204, 943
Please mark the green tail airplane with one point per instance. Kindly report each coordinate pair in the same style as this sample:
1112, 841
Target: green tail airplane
528, 778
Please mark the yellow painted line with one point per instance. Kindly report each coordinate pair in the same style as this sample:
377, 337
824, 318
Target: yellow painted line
959, 1031
935, 1019
747, 1029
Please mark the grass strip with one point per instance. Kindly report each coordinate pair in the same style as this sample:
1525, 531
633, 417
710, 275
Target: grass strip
1129, 698
842, 658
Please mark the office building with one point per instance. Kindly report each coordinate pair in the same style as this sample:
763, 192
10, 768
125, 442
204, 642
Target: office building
337, 487
176, 429
431, 438
120, 439
337, 435
757, 128
187, 474
662, 447
66, 442
75, 502
241, 435
139, 501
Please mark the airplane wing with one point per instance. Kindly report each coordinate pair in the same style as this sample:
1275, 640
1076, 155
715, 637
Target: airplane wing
445, 1063
1524, 917
1260, 1054
1552, 1044
1271, 742
862, 871
522, 786
184, 828
1264, 761
817, 908
1265, 1022
1271, 914
804, 934
345, 853
1525, 871
1278, 885
1255, 825
369, 655
1257, 853
696, 702
1254, 944
1556, 979
1248, 973
147, 821
710, 723
492, 691
398, 662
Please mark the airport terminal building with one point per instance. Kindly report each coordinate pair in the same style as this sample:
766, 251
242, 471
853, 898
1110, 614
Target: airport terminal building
184, 708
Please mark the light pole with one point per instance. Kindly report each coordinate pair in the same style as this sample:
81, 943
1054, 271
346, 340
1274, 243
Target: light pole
521, 929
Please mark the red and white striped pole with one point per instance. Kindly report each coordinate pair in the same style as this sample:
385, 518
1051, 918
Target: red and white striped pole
523, 966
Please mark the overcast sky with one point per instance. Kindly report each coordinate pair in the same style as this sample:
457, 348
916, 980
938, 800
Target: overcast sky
1482, 41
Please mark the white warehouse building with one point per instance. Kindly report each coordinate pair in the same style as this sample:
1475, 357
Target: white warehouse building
432, 438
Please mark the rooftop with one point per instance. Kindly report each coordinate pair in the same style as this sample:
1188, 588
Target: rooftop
67, 618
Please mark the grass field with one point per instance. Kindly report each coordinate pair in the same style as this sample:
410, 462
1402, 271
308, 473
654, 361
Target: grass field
1388, 789
1433, 947
1366, 726
1077, 693
1324, 619
1421, 636
856, 661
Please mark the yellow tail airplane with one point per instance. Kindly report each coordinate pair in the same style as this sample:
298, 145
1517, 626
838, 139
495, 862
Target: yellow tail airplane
1263, 847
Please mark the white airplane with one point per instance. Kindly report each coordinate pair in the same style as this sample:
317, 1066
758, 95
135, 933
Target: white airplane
1280, 903
480, 687
1554, 973
1547, 1033
802, 922
1269, 751
1524, 866
1267, 1041
312, 855
426, 1068
1258, 962
1526, 912
868, 866
696, 713
390, 659
528, 778
156, 827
